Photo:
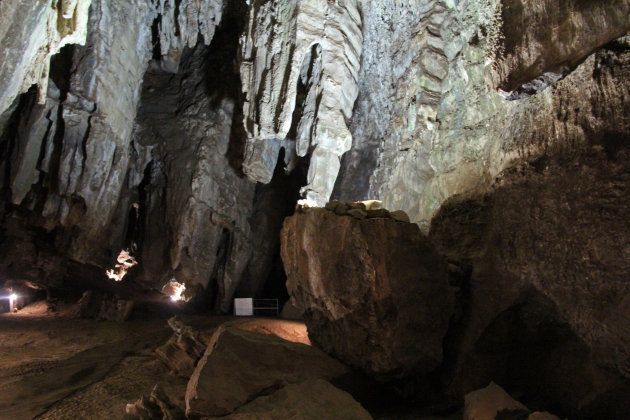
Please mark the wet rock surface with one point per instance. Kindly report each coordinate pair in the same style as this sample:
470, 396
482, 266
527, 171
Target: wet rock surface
373, 291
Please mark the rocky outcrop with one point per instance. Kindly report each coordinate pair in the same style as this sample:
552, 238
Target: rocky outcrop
300, 61
430, 123
239, 366
103, 306
372, 290
184, 349
493, 402
155, 406
313, 399
545, 250
32, 32
552, 38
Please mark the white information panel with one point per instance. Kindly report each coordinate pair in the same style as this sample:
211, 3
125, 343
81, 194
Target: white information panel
244, 307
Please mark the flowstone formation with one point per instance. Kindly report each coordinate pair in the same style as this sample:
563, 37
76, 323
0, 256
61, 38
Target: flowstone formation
300, 65
32, 32
476, 97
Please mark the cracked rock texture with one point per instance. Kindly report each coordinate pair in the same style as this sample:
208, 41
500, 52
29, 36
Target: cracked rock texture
133, 149
372, 290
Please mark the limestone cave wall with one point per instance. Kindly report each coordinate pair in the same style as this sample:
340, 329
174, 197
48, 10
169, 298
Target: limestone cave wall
184, 132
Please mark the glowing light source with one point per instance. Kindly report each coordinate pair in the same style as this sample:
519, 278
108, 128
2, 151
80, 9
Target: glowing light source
125, 262
175, 291
12, 298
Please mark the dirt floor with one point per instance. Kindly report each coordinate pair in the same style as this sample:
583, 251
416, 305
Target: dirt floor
57, 367
54, 366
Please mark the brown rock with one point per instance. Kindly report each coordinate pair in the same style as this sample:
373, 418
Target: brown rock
334, 205
291, 310
156, 406
183, 350
240, 365
374, 293
400, 215
487, 403
314, 399
378, 213
357, 213
549, 276
104, 306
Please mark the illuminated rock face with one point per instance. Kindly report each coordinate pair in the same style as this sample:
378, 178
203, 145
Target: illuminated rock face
300, 64
430, 121
32, 32
372, 290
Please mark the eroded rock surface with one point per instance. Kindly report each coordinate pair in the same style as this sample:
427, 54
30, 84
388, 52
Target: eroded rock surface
310, 400
31, 33
554, 37
430, 123
546, 253
299, 70
373, 291
240, 365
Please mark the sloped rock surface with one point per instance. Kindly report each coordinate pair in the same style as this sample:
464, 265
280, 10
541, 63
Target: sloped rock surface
314, 399
373, 291
239, 366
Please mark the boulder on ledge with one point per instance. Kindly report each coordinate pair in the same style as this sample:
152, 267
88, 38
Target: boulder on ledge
374, 293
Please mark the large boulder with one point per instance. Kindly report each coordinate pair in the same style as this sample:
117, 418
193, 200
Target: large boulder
240, 365
314, 399
374, 293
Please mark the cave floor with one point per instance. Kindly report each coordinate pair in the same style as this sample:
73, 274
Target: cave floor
60, 367
56, 367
